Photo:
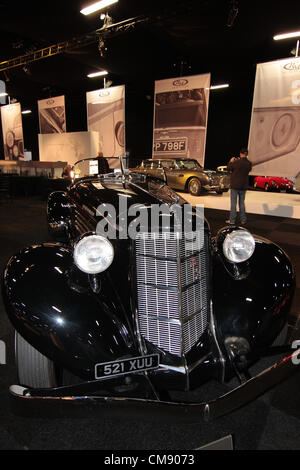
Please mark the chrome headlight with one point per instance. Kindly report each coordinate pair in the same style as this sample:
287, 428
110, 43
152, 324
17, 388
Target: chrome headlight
238, 246
93, 254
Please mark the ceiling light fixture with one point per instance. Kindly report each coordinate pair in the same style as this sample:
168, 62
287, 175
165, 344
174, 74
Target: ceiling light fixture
295, 34
97, 6
215, 87
26, 111
97, 74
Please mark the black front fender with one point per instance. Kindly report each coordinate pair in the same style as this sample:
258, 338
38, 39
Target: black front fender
253, 301
50, 303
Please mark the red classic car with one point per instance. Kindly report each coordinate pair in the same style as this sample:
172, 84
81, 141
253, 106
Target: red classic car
273, 183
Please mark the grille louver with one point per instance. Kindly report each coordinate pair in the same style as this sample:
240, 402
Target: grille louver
172, 283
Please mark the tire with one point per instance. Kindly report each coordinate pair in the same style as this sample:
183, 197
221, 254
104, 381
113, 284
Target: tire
266, 187
194, 187
34, 369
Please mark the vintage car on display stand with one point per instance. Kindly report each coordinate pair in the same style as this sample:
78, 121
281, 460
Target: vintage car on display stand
135, 306
273, 183
185, 174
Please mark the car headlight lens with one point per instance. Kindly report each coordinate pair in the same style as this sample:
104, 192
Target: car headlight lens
238, 246
93, 254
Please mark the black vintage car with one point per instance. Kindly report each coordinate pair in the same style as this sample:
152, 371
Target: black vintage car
134, 307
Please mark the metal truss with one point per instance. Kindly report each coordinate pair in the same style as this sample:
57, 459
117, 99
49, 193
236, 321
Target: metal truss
61, 47
48, 51
108, 29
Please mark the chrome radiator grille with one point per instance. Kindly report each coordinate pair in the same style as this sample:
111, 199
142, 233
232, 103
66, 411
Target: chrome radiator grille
172, 283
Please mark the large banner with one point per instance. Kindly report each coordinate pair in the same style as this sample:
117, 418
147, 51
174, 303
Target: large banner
274, 137
52, 115
2, 92
106, 115
180, 117
12, 130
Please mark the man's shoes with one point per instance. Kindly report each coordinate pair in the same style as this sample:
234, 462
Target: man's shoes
229, 222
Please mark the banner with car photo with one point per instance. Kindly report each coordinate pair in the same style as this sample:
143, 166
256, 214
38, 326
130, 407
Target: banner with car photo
12, 130
274, 138
106, 115
52, 115
180, 117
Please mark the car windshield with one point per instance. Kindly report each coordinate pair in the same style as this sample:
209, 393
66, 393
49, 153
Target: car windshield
88, 167
188, 164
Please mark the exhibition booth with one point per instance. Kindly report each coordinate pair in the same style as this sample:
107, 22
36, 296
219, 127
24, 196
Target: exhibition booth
157, 324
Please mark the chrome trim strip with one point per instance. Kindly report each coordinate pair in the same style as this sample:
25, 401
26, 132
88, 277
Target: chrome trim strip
213, 331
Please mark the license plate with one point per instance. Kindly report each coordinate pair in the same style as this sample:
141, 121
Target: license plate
178, 145
126, 366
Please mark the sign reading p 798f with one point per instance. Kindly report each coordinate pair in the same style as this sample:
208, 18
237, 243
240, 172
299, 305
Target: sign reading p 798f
126, 366
176, 145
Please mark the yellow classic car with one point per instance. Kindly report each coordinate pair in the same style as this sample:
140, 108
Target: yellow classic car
184, 174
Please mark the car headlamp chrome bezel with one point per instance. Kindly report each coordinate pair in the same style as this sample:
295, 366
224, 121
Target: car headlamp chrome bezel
238, 246
93, 253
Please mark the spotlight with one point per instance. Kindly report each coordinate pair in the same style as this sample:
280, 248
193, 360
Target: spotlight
97, 6
233, 11
216, 87
294, 34
107, 20
101, 46
97, 74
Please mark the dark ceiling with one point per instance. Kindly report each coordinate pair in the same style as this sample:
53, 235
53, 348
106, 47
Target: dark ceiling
163, 39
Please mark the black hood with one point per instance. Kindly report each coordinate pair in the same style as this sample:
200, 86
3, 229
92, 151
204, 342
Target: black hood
92, 193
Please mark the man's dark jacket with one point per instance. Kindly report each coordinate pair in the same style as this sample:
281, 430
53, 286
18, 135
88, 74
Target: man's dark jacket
239, 169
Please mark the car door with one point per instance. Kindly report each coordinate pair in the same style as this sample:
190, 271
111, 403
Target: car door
157, 170
172, 173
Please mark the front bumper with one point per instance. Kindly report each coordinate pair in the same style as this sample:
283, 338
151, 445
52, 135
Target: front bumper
214, 187
75, 400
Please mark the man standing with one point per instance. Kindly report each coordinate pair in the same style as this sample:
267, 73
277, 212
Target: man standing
239, 181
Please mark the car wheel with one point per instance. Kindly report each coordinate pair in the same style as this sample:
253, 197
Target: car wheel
220, 192
34, 369
266, 187
194, 187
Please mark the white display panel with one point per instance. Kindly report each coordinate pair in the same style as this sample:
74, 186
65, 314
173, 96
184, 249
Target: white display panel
274, 139
68, 147
180, 117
